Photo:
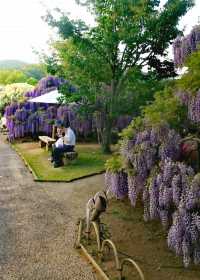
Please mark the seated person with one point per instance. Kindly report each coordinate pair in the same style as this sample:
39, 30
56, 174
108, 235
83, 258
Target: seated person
59, 129
69, 140
60, 142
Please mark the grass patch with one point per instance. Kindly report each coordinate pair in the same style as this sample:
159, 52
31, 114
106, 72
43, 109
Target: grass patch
90, 161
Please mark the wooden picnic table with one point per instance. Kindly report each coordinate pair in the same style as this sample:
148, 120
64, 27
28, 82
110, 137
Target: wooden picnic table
46, 140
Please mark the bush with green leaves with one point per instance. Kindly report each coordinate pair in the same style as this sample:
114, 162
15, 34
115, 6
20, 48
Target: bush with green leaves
13, 93
167, 108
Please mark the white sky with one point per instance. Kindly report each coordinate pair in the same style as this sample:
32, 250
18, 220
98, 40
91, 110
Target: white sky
21, 26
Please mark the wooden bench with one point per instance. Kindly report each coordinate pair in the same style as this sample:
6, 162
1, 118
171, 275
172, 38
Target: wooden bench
46, 140
69, 156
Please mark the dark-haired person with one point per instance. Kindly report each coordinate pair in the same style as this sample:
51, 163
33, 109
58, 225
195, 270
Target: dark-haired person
69, 141
59, 129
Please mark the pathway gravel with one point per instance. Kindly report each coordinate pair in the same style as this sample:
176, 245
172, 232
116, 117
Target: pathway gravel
37, 223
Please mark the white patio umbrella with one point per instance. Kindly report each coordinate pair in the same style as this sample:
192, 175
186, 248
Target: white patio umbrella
50, 98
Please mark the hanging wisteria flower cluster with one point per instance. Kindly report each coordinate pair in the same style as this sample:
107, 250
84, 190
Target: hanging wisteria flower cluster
169, 189
117, 183
45, 85
194, 108
184, 234
192, 101
166, 190
184, 46
144, 152
141, 154
29, 118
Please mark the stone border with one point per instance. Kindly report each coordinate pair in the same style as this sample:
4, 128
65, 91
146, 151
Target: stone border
25, 162
36, 179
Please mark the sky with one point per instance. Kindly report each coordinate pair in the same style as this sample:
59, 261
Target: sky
22, 29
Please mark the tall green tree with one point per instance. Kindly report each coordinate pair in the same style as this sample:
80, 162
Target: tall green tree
128, 35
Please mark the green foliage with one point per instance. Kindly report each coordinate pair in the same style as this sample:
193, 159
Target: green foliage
136, 125
13, 93
32, 81
166, 108
34, 71
114, 164
12, 76
190, 81
102, 61
139, 27
139, 91
30, 74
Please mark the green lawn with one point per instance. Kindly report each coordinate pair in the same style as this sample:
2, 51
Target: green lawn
90, 161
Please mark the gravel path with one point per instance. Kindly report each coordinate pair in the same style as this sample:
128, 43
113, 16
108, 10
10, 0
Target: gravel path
37, 222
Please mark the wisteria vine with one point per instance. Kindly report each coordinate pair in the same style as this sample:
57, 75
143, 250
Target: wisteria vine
184, 46
28, 118
169, 189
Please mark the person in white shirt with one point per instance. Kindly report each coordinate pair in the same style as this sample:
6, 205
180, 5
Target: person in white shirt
69, 138
60, 142
59, 129
69, 141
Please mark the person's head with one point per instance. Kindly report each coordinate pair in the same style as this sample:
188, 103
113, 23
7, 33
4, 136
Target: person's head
59, 123
66, 123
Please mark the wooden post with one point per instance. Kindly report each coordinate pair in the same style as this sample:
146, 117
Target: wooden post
53, 131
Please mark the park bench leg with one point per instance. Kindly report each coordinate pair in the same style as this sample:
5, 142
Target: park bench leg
41, 143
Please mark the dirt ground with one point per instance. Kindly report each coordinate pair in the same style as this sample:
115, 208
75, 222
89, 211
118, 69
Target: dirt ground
37, 222
146, 243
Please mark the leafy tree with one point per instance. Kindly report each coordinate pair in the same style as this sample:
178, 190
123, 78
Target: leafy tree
35, 71
166, 109
128, 35
12, 76
32, 81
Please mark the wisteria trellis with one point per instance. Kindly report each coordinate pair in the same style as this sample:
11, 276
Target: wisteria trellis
30, 118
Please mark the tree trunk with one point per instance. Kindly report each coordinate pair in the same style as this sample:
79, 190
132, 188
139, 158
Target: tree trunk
106, 137
107, 133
